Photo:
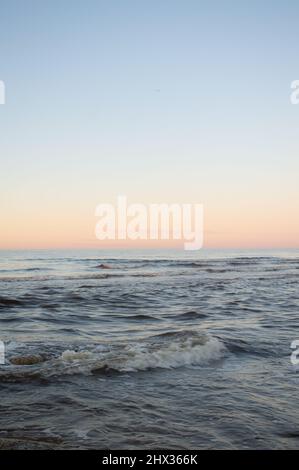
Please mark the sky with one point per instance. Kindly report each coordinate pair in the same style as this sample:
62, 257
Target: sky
162, 101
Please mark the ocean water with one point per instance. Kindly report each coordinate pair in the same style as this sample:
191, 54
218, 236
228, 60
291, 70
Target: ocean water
147, 350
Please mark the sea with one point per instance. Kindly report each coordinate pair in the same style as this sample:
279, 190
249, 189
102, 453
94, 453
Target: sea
149, 349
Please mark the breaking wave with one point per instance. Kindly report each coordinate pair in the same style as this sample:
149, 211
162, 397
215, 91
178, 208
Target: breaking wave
168, 351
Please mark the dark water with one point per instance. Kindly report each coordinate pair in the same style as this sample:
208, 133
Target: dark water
149, 350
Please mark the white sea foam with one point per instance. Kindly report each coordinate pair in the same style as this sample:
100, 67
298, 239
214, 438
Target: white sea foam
177, 354
168, 351
70, 356
199, 350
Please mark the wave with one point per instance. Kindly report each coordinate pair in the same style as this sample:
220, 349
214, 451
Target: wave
138, 317
103, 266
166, 351
8, 302
189, 315
144, 267
21, 270
77, 277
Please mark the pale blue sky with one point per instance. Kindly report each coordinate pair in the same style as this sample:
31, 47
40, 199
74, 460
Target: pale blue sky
180, 99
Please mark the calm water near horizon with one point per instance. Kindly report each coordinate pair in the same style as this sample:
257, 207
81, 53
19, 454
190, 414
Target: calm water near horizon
149, 349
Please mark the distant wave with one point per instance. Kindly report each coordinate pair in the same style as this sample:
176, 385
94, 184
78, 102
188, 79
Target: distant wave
76, 277
189, 315
9, 302
20, 270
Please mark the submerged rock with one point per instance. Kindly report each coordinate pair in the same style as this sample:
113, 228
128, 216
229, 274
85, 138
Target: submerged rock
27, 360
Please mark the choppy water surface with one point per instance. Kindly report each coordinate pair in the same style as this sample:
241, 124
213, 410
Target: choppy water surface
149, 350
